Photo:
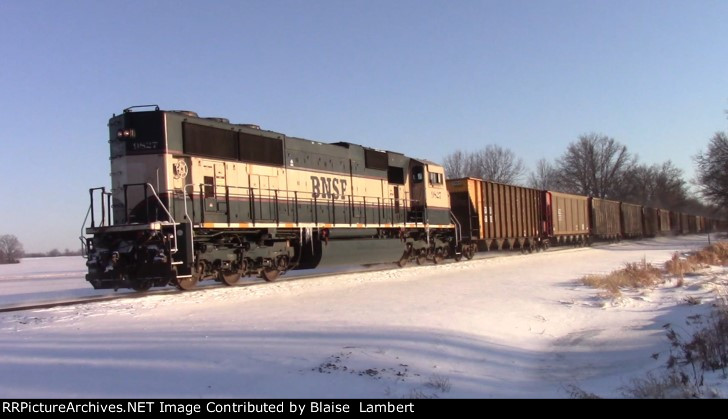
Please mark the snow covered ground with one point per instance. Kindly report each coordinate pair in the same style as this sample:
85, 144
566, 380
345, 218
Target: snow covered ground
37, 280
519, 326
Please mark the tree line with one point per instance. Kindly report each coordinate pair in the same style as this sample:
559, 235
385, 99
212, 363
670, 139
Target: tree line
598, 165
11, 251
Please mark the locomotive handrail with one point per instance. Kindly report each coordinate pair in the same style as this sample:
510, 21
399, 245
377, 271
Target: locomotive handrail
127, 110
82, 237
264, 205
148, 185
458, 232
103, 211
184, 199
187, 216
90, 212
171, 219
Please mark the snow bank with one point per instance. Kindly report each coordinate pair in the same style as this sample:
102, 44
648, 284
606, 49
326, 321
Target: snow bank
518, 326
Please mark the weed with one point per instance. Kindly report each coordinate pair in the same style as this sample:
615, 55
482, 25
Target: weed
576, 392
439, 382
633, 275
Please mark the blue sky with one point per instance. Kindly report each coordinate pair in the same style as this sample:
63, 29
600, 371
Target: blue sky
419, 77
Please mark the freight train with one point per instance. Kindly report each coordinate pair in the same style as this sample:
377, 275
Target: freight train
195, 198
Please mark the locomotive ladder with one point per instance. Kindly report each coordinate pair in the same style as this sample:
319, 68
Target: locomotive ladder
458, 227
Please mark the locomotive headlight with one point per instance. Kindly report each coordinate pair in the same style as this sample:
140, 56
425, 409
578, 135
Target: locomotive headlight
125, 133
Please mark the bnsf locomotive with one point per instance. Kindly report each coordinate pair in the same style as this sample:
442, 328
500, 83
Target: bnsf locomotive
201, 198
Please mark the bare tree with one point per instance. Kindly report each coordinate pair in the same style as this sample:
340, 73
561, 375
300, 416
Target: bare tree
498, 164
670, 188
544, 177
659, 186
456, 165
712, 170
11, 250
594, 165
491, 163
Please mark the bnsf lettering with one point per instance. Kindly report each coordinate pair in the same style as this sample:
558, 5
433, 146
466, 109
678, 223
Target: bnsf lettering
326, 187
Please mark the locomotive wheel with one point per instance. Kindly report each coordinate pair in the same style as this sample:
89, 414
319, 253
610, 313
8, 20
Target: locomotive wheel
438, 256
270, 274
229, 277
421, 257
402, 262
186, 284
469, 252
142, 285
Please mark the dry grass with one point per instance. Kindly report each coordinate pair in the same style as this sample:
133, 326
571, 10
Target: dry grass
715, 254
643, 274
655, 386
679, 266
633, 275
690, 357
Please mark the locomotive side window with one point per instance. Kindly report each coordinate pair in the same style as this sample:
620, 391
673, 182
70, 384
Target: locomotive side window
418, 174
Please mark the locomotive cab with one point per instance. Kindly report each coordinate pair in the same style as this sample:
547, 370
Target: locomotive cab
429, 199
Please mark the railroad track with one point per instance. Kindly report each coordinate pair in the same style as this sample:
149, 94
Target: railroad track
253, 282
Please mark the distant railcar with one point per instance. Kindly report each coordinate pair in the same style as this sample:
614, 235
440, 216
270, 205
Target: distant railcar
605, 219
650, 221
568, 220
685, 224
663, 221
631, 220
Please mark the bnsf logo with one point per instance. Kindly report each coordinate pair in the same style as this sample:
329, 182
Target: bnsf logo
326, 187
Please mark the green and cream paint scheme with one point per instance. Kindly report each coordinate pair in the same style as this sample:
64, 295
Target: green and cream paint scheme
201, 198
